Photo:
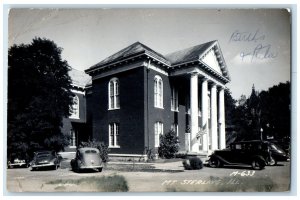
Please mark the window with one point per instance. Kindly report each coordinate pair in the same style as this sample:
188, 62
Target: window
174, 127
114, 94
75, 108
114, 137
158, 130
174, 99
72, 138
158, 92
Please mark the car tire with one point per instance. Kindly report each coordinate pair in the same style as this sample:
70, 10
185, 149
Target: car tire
214, 162
100, 169
258, 164
33, 169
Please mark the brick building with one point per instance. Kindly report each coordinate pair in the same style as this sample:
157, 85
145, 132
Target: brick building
137, 94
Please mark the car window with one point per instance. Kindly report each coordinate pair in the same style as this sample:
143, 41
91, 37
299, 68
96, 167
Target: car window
90, 152
43, 155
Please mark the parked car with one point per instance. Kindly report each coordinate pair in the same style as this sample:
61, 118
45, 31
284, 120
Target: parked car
276, 154
45, 159
87, 158
18, 162
253, 153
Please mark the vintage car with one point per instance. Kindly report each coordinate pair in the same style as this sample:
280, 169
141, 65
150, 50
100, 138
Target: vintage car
87, 158
276, 154
17, 162
45, 159
253, 153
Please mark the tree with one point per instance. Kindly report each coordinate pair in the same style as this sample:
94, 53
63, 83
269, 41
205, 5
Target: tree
230, 117
39, 96
168, 145
268, 111
275, 111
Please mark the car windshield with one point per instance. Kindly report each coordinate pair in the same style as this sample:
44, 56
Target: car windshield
43, 154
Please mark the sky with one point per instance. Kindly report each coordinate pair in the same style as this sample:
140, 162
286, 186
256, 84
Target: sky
255, 42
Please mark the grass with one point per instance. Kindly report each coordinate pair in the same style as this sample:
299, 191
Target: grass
115, 183
227, 184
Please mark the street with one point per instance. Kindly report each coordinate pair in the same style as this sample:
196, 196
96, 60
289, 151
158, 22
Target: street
275, 178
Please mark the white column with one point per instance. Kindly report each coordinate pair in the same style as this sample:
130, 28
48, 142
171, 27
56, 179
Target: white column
204, 122
213, 117
222, 139
194, 112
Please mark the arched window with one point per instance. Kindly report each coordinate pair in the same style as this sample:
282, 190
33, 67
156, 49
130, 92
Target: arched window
158, 92
75, 108
114, 94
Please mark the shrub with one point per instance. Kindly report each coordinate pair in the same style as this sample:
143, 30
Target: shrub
169, 145
193, 163
99, 145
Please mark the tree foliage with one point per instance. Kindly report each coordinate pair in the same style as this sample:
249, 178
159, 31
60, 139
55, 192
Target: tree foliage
264, 114
39, 96
168, 145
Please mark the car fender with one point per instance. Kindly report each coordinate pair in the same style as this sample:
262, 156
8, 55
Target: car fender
220, 158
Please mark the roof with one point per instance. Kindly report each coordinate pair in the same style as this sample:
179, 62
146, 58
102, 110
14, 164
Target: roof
134, 49
79, 78
170, 60
188, 54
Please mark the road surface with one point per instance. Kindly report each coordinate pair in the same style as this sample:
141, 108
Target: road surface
275, 178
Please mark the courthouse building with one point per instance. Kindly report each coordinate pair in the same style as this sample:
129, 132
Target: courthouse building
137, 94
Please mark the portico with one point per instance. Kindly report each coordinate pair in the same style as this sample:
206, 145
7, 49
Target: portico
208, 133
207, 78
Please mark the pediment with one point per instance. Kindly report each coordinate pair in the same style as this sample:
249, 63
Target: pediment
210, 59
213, 59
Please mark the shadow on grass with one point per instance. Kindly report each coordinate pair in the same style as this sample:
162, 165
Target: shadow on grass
115, 183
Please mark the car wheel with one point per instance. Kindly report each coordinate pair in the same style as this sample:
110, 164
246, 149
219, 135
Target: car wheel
33, 169
214, 162
100, 169
258, 164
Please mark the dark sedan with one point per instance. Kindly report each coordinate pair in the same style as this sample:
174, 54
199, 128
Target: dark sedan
253, 153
